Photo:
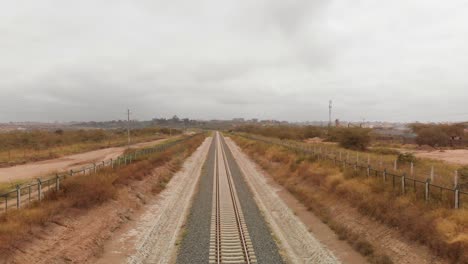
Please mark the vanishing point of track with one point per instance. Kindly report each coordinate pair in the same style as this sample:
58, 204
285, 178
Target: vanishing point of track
229, 238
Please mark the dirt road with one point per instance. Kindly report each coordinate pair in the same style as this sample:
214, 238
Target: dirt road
42, 168
454, 156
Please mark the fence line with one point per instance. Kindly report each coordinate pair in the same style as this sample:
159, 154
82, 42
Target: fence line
400, 183
26, 193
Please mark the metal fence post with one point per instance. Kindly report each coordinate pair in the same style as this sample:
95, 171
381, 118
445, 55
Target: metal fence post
455, 179
426, 191
457, 197
18, 196
384, 175
39, 189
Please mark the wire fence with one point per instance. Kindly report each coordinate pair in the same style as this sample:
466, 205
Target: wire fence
26, 194
399, 183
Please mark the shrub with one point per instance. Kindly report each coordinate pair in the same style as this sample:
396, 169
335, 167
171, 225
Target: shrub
354, 138
437, 134
406, 158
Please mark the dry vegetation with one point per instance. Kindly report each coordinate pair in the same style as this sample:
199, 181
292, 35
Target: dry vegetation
355, 141
86, 191
21, 147
445, 231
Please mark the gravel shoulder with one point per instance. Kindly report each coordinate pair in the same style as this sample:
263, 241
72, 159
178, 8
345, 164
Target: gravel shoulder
296, 242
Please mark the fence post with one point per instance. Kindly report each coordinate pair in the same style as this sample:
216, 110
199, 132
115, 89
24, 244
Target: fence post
94, 167
112, 163
427, 189
457, 197
368, 170
455, 179
18, 196
57, 183
385, 175
340, 156
39, 189
395, 165
103, 164
403, 183
412, 168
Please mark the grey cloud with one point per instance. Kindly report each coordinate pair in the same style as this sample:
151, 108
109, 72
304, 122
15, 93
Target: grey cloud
88, 60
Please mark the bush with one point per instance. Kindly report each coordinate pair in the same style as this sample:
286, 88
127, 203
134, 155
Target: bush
437, 134
406, 158
354, 138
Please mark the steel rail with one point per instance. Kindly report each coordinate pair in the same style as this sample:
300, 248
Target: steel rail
234, 202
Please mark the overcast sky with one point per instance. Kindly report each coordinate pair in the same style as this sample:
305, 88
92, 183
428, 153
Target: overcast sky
398, 60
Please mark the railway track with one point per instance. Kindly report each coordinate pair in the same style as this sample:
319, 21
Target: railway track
229, 237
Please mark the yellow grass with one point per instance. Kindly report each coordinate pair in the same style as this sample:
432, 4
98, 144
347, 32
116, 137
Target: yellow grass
21, 147
444, 230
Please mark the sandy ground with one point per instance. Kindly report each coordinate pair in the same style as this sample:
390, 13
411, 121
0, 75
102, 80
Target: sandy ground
152, 236
298, 244
42, 168
454, 156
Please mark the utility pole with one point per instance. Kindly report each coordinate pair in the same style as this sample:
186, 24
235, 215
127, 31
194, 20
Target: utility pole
329, 113
128, 128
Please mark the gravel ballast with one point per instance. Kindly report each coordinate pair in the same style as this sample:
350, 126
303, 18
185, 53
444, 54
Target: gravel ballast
194, 247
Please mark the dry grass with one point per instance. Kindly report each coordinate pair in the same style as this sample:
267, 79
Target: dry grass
87, 191
21, 147
444, 172
445, 231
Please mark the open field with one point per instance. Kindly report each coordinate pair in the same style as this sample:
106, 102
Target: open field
317, 183
23, 147
11, 176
